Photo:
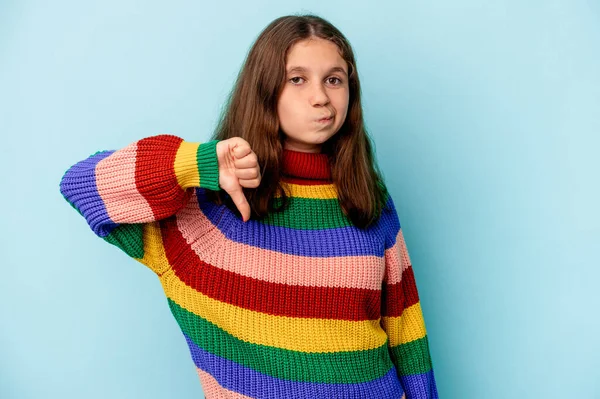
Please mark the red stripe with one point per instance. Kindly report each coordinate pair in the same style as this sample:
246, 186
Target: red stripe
263, 296
155, 176
397, 297
304, 182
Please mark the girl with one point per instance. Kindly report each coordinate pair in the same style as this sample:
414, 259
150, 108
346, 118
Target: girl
276, 242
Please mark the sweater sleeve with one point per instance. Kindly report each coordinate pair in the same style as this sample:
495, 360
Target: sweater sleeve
123, 194
402, 317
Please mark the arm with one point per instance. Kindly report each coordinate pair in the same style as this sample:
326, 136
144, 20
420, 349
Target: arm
123, 194
402, 318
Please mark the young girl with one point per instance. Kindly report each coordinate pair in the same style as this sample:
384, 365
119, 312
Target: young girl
276, 242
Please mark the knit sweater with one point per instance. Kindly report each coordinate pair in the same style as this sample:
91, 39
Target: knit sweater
300, 304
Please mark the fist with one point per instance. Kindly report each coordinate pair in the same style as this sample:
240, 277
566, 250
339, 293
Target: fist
238, 167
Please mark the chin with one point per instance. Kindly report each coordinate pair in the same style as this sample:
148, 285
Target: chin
315, 138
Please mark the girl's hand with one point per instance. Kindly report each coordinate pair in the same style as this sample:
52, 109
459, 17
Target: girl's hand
238, 167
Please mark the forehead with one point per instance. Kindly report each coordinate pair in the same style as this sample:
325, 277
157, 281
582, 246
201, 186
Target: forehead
315, 54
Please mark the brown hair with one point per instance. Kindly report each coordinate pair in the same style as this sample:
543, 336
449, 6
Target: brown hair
251, 113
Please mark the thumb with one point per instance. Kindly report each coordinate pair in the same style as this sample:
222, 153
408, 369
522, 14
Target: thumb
239, 199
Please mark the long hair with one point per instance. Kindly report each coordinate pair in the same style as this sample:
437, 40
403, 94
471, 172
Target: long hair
251, 113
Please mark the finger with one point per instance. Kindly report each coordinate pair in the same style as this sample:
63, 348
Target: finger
249, 173
239, 199
248, 161
249, 183
241, 150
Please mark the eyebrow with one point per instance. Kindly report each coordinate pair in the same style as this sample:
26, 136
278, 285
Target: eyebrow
303, 69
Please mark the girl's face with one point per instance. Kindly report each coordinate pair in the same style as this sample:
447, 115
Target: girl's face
316, 87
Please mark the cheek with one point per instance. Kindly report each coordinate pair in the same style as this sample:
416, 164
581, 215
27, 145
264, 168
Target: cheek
339, 98
289, 110
341, 104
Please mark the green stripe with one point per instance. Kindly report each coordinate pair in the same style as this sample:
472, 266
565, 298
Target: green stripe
309, 214
208, 165
412, 357
128, 237
337, 367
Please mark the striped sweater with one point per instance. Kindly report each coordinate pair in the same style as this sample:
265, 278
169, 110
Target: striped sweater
301, 304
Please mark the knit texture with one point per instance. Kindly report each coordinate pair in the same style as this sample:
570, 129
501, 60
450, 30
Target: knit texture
301, 304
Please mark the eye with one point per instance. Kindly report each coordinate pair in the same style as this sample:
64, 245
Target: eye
336, 81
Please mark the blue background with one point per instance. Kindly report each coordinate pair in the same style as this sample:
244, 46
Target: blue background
486, 122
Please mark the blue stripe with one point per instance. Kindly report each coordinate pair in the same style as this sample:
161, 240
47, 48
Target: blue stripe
391, 222
420, 385
247, 381
342, 241
78, 186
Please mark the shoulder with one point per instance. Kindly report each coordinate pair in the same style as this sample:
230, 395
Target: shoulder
390, 221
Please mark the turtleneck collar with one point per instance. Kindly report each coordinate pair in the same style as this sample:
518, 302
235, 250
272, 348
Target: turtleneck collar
306, 167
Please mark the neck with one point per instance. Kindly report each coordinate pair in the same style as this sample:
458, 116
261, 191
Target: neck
300, 147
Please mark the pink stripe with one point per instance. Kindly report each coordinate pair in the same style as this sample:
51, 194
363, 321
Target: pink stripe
115, 175
396, 259
213, 247
212, 389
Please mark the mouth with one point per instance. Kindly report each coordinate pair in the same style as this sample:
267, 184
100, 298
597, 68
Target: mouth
326, 119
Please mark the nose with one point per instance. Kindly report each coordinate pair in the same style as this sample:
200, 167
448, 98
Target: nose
319, 95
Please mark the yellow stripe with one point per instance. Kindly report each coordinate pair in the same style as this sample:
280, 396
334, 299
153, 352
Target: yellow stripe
186, 165
292, 333
154, 251
322, 191
407, 327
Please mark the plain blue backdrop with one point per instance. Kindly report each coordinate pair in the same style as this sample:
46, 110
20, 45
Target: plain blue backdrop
485, 119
